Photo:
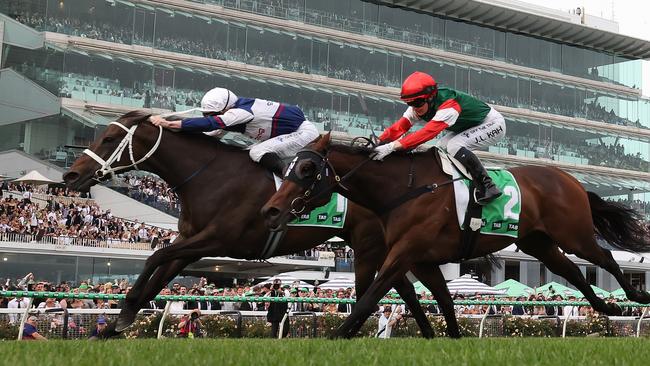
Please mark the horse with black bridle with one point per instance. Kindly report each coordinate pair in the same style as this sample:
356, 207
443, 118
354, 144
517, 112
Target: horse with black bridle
557, 216
221, 193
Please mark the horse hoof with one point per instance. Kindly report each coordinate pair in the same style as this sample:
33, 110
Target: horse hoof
125, 320
428, 335
613, 310
109, 332
641, 297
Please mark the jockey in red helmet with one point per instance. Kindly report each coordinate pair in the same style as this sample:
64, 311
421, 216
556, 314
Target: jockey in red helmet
471, 124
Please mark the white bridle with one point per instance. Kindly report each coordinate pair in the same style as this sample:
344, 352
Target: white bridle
105, 165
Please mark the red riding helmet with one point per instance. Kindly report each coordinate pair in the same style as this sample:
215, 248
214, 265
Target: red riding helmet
418, 85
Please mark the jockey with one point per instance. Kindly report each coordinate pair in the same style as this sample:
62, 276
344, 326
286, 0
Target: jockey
281, 129
471, 123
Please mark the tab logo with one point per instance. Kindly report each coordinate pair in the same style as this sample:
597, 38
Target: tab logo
321, 217
337, 218
305, 217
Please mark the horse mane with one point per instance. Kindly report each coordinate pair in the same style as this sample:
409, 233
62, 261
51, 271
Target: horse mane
137, 116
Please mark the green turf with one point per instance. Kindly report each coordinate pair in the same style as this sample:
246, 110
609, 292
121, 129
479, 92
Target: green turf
263, 352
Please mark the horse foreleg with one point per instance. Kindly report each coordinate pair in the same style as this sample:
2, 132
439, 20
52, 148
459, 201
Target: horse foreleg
180, 249
406, 291
365, 266
143, 278
393, 268
434, 280
161, 276
165, 255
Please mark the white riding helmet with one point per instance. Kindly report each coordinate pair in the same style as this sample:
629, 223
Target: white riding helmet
217, 99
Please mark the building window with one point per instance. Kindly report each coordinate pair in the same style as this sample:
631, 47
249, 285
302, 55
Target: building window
512, 271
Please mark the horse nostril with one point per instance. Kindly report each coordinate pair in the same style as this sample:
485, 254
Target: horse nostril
272, 212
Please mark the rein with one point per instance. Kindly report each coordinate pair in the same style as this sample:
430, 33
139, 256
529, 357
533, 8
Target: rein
196, 172
322, 170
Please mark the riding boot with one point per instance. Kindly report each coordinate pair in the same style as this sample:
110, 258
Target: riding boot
274, 163
486, 190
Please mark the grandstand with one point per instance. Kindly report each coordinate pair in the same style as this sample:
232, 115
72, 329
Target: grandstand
570, 101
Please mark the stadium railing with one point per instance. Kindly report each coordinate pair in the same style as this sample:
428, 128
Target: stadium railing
159, 323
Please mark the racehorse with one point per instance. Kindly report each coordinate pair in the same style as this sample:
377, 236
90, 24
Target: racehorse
422, 229
221, 193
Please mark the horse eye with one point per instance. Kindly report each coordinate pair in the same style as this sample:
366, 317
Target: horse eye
304, 169
109, 139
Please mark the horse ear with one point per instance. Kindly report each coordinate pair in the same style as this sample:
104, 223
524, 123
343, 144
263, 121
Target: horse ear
146, 117
325, 141
322, 142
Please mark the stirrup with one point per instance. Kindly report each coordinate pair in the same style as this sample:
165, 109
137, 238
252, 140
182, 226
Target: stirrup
484, 199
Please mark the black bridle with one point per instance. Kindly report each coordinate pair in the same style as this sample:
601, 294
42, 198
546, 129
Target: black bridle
318, 186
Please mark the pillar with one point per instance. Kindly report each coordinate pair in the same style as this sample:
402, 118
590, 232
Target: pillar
498, 275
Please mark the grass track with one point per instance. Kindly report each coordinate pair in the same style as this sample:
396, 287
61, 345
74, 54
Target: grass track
366, 352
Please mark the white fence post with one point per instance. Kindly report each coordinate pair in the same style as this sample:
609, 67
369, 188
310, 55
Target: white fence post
566, 321
286, 315
23, 319
480, 328
162, 319
638, 326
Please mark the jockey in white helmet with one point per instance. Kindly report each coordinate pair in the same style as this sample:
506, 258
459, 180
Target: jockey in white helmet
281, 129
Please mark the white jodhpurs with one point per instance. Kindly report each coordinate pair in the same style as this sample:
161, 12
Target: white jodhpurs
285, 145
487, 133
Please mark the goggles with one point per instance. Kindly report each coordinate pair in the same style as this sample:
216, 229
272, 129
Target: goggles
417, 103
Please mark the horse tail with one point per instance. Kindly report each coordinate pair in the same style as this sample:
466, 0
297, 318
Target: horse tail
621, 226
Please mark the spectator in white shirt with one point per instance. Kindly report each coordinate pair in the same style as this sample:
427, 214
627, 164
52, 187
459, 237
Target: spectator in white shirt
17, 303
570, 310
387, 321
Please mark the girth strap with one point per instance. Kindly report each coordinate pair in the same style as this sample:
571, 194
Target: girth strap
429, 188
471, 226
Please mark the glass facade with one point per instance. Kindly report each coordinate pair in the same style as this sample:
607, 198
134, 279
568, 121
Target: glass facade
275, 48
58, 268
97, 78
435, 32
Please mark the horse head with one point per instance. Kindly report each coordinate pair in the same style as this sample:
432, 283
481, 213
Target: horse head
308, 183
107, 155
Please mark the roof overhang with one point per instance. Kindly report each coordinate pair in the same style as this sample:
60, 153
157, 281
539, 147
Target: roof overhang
519, 19
21, 99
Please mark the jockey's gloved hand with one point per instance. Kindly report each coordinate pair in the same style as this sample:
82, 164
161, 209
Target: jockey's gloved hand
382, 151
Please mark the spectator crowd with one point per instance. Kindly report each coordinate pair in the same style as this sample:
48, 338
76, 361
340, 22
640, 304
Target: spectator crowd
79, 221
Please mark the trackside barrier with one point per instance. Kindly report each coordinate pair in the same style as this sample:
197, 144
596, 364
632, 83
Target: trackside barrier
314, 323
52, 324
622, 325
286, 321
484, 319
262, 299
